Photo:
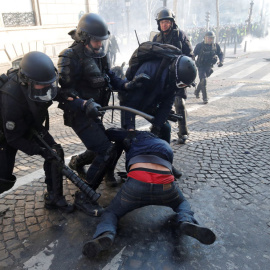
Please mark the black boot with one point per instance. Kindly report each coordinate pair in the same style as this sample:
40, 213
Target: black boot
83, 203
92, 248
176, 173
110, 179
78, 162
54, 198
202, 234
53, 202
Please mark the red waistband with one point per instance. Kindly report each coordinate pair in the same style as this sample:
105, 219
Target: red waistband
151, 177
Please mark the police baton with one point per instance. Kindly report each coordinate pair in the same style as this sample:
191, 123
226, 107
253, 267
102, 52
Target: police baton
146, 116
74, 178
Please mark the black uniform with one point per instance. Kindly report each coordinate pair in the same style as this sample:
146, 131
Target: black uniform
88, 77
207, 57
178, 38
18, 121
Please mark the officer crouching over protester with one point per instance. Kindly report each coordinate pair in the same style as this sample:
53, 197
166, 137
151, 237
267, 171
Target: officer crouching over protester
156, 96
150, 182
208, 53
84, 74
25, 99
171, 34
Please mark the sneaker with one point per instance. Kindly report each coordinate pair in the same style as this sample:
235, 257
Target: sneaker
73, 164
205, 101
83, 203
92, 248
182, 139
202, 234
110, 179
60, 203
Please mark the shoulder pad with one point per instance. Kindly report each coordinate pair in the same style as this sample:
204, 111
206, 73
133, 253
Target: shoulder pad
68, 52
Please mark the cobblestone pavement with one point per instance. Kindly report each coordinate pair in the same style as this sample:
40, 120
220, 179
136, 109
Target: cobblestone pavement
226, 179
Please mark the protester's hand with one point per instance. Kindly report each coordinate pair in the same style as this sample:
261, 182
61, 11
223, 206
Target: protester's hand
220, 64
91, 108
137, 81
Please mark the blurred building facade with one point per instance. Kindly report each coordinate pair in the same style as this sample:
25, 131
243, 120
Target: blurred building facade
42, 25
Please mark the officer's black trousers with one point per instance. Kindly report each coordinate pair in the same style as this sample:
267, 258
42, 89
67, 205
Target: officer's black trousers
92, 134
7, 160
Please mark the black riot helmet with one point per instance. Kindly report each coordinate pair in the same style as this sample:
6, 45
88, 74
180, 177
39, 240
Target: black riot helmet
209, 37
37, 71
185, 71
91, 25
165, 14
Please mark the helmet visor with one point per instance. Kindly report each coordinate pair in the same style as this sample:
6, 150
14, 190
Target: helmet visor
209, 39
97, 48
42, 93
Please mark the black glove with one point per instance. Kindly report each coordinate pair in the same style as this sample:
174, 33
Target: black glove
220, 64
91, 108
46, 154
137, 81
65, 93
155, 130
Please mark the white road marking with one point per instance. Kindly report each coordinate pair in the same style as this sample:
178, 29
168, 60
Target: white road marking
248, 71
231, 66
266, 78
115, 262
43, 260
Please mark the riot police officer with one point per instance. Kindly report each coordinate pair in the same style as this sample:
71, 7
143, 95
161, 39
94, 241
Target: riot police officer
156, 97
171, 34
85, 74
25, 99
208, 53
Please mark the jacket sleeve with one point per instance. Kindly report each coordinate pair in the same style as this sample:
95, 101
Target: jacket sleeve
197, 49
135, 99
16, 128
220, 54
186, 45
69, 69
164, 108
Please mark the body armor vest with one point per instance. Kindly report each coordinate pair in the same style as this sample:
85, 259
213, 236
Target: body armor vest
93, 82
207, 55
172, 38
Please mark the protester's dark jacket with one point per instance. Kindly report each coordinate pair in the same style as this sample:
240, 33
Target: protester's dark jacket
18, 120
155, 98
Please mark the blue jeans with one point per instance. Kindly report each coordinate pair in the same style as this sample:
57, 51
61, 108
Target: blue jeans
135, 194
